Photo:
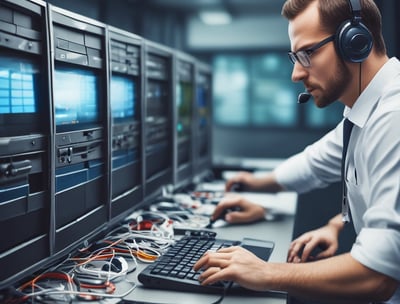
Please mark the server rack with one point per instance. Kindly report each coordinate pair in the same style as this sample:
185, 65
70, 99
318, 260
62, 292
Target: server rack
184, 84
158, 139
25, 138
203, 122
81, 123
126, 91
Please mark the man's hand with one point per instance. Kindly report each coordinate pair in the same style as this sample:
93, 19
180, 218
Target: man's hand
233, 264
326, 238
244, 210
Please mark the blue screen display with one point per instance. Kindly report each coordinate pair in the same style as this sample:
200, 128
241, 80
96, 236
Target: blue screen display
75, 97
17, 86
122, 96
202, 106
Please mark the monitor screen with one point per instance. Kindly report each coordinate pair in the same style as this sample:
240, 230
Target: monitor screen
20, 92
123, 97
17, 86
184, 104
75, 97
157, 99
202, 107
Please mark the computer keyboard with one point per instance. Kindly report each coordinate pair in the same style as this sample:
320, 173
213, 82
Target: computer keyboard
174, 269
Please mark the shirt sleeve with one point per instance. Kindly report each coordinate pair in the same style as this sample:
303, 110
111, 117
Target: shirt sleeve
378, 242
316, 167
379, 249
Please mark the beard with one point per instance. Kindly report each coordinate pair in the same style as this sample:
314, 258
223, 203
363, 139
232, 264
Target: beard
336, 85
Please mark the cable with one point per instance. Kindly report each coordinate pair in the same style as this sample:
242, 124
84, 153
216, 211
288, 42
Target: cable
45, 287
55, 291
146, 245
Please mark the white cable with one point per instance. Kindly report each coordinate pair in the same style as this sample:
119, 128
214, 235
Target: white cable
73, 292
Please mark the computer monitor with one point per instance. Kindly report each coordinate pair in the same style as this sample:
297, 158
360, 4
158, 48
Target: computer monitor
158, 107
17, 85
76, 100
19, 95
123, 97
126, 84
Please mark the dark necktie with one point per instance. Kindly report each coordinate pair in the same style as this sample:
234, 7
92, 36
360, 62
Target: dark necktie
347, 127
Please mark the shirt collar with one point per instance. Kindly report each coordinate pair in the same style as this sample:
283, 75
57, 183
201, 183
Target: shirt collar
367, 101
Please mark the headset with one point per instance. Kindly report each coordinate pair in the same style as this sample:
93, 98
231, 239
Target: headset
353, 39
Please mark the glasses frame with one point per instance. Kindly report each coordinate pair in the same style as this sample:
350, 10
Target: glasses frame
304, 56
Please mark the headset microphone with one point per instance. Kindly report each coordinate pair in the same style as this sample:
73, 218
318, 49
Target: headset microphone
303, 97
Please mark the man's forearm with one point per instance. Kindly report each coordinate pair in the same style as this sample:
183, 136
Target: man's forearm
269, 183
339, 279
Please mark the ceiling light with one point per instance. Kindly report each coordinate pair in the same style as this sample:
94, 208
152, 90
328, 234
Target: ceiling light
219, 17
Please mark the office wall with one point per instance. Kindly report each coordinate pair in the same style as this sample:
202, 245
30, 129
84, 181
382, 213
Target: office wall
243, 33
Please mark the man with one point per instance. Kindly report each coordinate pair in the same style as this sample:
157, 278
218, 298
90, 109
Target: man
369, 87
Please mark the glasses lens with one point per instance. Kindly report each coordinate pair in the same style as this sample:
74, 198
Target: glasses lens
303, 58
292, 57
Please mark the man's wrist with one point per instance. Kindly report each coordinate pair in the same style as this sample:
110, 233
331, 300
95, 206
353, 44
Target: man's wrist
336, 223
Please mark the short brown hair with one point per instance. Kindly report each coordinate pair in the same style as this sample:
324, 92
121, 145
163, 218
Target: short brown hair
334, 13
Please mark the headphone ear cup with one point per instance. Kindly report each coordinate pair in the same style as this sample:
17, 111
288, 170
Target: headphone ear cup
353, 41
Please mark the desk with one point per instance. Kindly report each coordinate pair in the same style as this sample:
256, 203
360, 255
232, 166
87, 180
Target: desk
278, 231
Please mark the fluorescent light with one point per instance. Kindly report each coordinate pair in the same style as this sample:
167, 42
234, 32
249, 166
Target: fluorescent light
215, 17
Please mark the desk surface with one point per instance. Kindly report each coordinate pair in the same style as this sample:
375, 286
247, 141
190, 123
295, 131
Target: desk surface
278, 231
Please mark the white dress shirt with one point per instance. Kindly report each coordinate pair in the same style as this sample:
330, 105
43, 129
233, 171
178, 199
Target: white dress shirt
372, 171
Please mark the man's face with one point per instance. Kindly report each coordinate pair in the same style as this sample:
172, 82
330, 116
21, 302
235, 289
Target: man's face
328, 77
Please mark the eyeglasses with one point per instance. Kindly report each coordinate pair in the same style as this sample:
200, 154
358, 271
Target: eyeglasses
303, 56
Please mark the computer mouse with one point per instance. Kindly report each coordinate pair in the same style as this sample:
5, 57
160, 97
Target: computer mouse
237, 187
222, 215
